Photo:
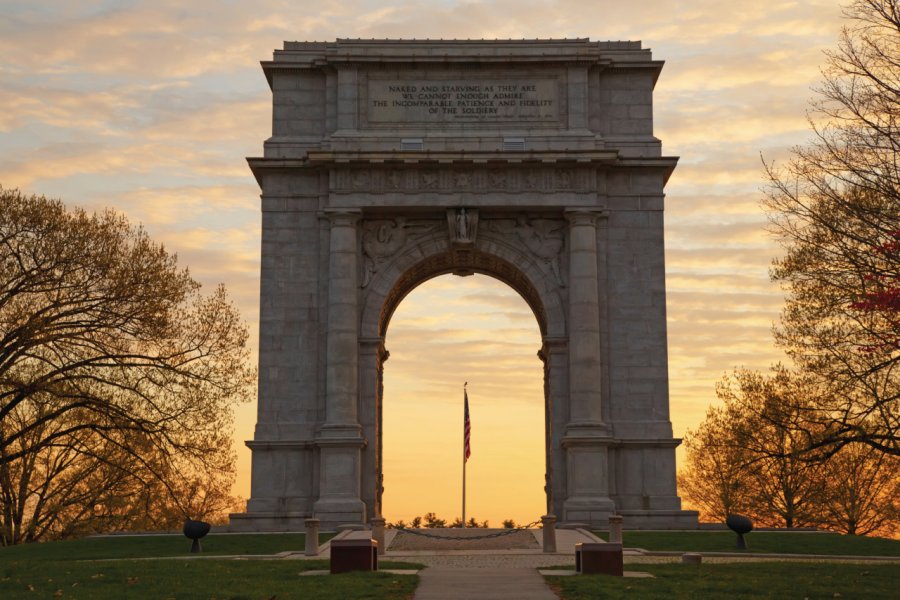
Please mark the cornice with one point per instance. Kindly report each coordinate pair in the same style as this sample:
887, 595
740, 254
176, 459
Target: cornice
330, 159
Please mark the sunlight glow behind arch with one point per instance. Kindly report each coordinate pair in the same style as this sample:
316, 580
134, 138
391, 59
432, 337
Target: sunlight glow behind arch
474, 329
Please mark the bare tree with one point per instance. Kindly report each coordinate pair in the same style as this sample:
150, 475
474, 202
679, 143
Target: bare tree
836, 208
117, 376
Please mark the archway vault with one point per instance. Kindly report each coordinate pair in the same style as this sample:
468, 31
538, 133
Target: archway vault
528, 261
399, 254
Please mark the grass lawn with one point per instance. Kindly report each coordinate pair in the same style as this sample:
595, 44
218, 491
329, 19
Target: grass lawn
748, 580
783, 542
200, 579
146, 546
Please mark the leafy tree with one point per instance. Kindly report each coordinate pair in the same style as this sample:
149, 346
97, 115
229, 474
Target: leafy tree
863, 491
473, 522
117, 377
784, 488
432, 521
836, 208
509, 524
715, 477
744, 459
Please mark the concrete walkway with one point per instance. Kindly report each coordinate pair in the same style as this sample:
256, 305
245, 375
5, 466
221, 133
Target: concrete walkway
496, 574
448, 583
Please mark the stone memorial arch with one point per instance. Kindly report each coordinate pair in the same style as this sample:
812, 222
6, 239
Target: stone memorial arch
395, 161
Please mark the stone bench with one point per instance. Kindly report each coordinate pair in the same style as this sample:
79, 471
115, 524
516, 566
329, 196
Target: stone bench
354, 554
593, 558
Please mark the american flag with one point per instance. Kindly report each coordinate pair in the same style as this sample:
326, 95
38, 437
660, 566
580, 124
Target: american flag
467, 427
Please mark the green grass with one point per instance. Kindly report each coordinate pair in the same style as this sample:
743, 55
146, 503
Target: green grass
783, 542
747, 580
200, 579
157, 546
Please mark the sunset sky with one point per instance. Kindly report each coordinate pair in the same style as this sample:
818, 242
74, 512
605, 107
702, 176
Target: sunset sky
150, 107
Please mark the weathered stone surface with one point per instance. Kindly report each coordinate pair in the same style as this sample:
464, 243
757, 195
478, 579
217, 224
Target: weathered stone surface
392, 161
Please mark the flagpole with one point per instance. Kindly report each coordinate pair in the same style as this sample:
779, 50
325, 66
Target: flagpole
464, 457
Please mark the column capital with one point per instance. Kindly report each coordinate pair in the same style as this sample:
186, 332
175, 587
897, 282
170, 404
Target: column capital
374, 345
584, 216
552, 345
558, 342
342, 217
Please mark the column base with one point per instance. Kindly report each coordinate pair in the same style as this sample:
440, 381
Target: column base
332, 512
592, 511
659, 519
250, 522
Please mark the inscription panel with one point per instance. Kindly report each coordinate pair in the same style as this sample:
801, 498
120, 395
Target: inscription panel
463, 100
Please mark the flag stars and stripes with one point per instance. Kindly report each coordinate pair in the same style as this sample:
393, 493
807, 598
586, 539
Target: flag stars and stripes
467, 427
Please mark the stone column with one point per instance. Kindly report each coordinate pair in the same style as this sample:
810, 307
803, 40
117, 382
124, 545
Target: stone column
378, 533
371, 357
555, 354
584, 321
340, 439
587, 436
341, 354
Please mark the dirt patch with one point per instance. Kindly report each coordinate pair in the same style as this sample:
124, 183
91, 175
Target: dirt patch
464, 539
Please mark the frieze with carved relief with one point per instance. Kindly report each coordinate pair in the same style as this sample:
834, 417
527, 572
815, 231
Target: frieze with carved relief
464, 179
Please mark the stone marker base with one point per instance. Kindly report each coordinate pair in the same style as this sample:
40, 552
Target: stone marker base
354, 554
658, 519
604, 559
251, 522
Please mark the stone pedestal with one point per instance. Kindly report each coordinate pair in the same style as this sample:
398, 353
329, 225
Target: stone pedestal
312, 537
615, 529
548, 533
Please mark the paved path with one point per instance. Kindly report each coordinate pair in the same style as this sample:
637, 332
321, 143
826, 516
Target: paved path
447, 583
496, 574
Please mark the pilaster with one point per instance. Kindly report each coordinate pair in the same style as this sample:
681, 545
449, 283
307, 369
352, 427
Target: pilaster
340, 438
587, 437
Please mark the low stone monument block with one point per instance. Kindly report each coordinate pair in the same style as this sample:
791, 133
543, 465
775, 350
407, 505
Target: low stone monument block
357, 554
599, 558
